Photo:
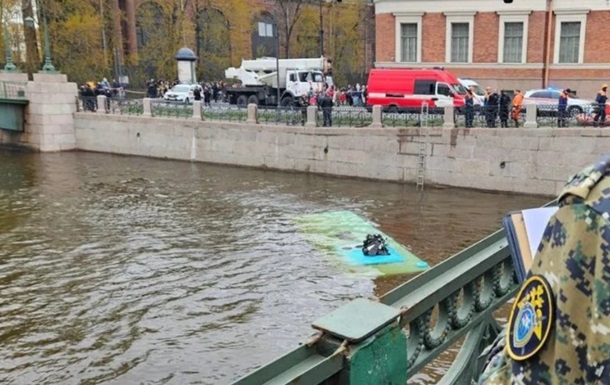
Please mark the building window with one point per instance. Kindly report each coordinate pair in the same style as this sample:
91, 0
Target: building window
408, 37
459, 42
570, 29
513, 42
265, 29
569, 42
459, 37
263, 36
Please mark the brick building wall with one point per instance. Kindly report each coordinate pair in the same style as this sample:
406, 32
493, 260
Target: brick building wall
433, 26
485, 37
488, 20
384, 32
535, 40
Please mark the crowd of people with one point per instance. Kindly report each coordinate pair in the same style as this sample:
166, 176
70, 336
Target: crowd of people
501, 107
89, 91
495, 106
208, 91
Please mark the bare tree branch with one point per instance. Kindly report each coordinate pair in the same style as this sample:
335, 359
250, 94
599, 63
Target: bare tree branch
291, 12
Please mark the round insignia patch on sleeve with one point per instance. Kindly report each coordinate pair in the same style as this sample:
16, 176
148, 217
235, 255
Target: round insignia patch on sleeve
531, 319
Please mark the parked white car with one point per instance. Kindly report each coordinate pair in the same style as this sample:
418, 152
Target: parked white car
547, 101
182, 93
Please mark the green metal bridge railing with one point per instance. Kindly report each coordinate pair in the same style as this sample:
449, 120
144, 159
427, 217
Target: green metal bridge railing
13, 91
387, 342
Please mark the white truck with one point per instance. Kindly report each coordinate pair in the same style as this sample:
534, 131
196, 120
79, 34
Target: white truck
258, 80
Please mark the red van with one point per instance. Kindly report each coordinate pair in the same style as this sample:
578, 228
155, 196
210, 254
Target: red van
407, 89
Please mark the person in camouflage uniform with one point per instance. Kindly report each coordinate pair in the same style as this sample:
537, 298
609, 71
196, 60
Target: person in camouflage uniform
574, 258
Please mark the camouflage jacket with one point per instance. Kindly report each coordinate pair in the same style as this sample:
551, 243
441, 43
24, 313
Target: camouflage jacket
574, 259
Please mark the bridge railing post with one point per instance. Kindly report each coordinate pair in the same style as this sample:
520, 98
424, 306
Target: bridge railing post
377, 117
531, 112
372, 338
101, 104
197, 109
147, 105
252, 114
312, 114
449, 117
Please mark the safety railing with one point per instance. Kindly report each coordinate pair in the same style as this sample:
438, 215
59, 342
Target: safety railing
530, 116
547, 115
424, 317
481, 117
126, 107
225, 113
160, 108
116, 106
288, 116
471, 119
344, 116
580, 115
393, 117
10, 90
86, 103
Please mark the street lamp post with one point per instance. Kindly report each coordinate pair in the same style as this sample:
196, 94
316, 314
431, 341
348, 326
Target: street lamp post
277, 61
47, 67
322, 24
321, 29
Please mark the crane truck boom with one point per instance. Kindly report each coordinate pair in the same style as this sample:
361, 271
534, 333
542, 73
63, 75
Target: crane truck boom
259, 78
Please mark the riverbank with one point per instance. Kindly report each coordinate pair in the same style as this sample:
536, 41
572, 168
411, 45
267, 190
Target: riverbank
531, 161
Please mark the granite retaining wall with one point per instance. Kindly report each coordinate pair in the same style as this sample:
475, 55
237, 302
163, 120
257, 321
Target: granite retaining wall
533, 161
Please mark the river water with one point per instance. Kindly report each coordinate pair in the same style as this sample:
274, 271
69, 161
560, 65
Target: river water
125, 270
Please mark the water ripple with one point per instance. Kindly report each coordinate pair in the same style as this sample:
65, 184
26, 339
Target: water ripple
119, 270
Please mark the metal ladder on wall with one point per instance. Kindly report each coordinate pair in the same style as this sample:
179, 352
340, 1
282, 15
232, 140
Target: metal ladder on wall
423, 147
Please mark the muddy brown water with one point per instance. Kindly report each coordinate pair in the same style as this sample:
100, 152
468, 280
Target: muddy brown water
126, 270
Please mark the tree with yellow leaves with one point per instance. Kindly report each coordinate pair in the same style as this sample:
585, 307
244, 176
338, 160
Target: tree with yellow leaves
347, 25
158, 40
75, 30
344, 25
11, 30
222, 32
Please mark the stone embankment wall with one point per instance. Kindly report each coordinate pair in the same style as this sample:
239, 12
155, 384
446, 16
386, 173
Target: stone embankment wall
48, 115
535, 161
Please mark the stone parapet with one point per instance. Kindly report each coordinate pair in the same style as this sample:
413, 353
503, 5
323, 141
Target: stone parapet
41, 77
13, 77
511, 160
49, 114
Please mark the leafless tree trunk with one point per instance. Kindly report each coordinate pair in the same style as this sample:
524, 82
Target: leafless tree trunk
32, 56
291, 12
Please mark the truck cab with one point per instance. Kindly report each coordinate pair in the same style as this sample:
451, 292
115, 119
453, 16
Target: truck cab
302, 82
